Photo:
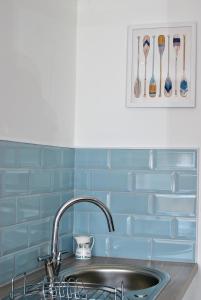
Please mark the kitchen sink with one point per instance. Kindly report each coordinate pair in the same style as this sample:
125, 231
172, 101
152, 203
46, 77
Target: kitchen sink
137, 282
96, 282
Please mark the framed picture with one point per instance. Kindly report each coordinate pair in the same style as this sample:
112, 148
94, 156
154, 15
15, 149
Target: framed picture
161, 65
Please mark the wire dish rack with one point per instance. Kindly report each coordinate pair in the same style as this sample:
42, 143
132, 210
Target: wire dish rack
64, 290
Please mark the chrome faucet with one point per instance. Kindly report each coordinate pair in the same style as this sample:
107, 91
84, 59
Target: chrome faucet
53, 261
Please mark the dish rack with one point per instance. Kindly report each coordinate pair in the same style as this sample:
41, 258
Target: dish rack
64, 290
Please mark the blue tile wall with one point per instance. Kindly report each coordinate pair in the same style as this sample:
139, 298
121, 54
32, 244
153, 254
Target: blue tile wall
7, 268
152, 195
175, 160
28, 208
175, 205
26, 260
127, 159
8, 212
130, 247
173, 250
112, 180
90, 158
34, 181
14, 238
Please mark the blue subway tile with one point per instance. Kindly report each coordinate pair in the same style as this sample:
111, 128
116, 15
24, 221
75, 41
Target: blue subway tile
26, 261
63, 179
6, 143
186, 183
153, 182
175, 159
91, 158
101, 245
146, 226
112, 186
130, 159
65, 196
81, 223
122, 224
66, 224
167, 250
129, 203
29, 156
82, 179
15, 182
8, 155
102, 196
175, 205
1, 183
39, 232
41, 181
49, 204
98, 223
6, 269
186, 229
66, 243
68, 179
57, 180
45, 249
14, 238
7, 212
68, 160
51, 157
51, 221
102, 180
28, 208
138, 248
23, 207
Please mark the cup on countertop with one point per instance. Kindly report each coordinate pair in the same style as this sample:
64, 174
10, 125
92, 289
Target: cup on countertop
84, 246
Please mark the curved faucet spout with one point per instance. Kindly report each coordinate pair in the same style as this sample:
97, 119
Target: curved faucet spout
60, 212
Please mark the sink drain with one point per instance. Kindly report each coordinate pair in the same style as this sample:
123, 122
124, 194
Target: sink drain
141, 296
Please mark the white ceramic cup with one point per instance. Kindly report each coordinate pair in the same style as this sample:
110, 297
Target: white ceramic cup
84, 246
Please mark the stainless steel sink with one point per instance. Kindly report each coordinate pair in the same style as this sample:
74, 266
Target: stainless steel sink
138, 282
96, 282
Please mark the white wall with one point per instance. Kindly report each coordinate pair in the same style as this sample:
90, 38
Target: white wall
101, 116
37, 71
102, 120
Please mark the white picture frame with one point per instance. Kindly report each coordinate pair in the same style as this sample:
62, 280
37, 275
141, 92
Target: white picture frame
178, 42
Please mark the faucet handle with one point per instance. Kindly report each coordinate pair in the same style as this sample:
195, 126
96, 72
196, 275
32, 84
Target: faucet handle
45, 258
62, 253
49, 266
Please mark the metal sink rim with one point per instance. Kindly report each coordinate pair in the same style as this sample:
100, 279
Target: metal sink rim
150, 292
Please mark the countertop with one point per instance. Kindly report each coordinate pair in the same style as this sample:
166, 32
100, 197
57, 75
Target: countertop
181, 274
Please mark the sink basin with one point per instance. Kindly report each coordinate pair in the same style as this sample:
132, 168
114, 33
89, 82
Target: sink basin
132, 279
138, 282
